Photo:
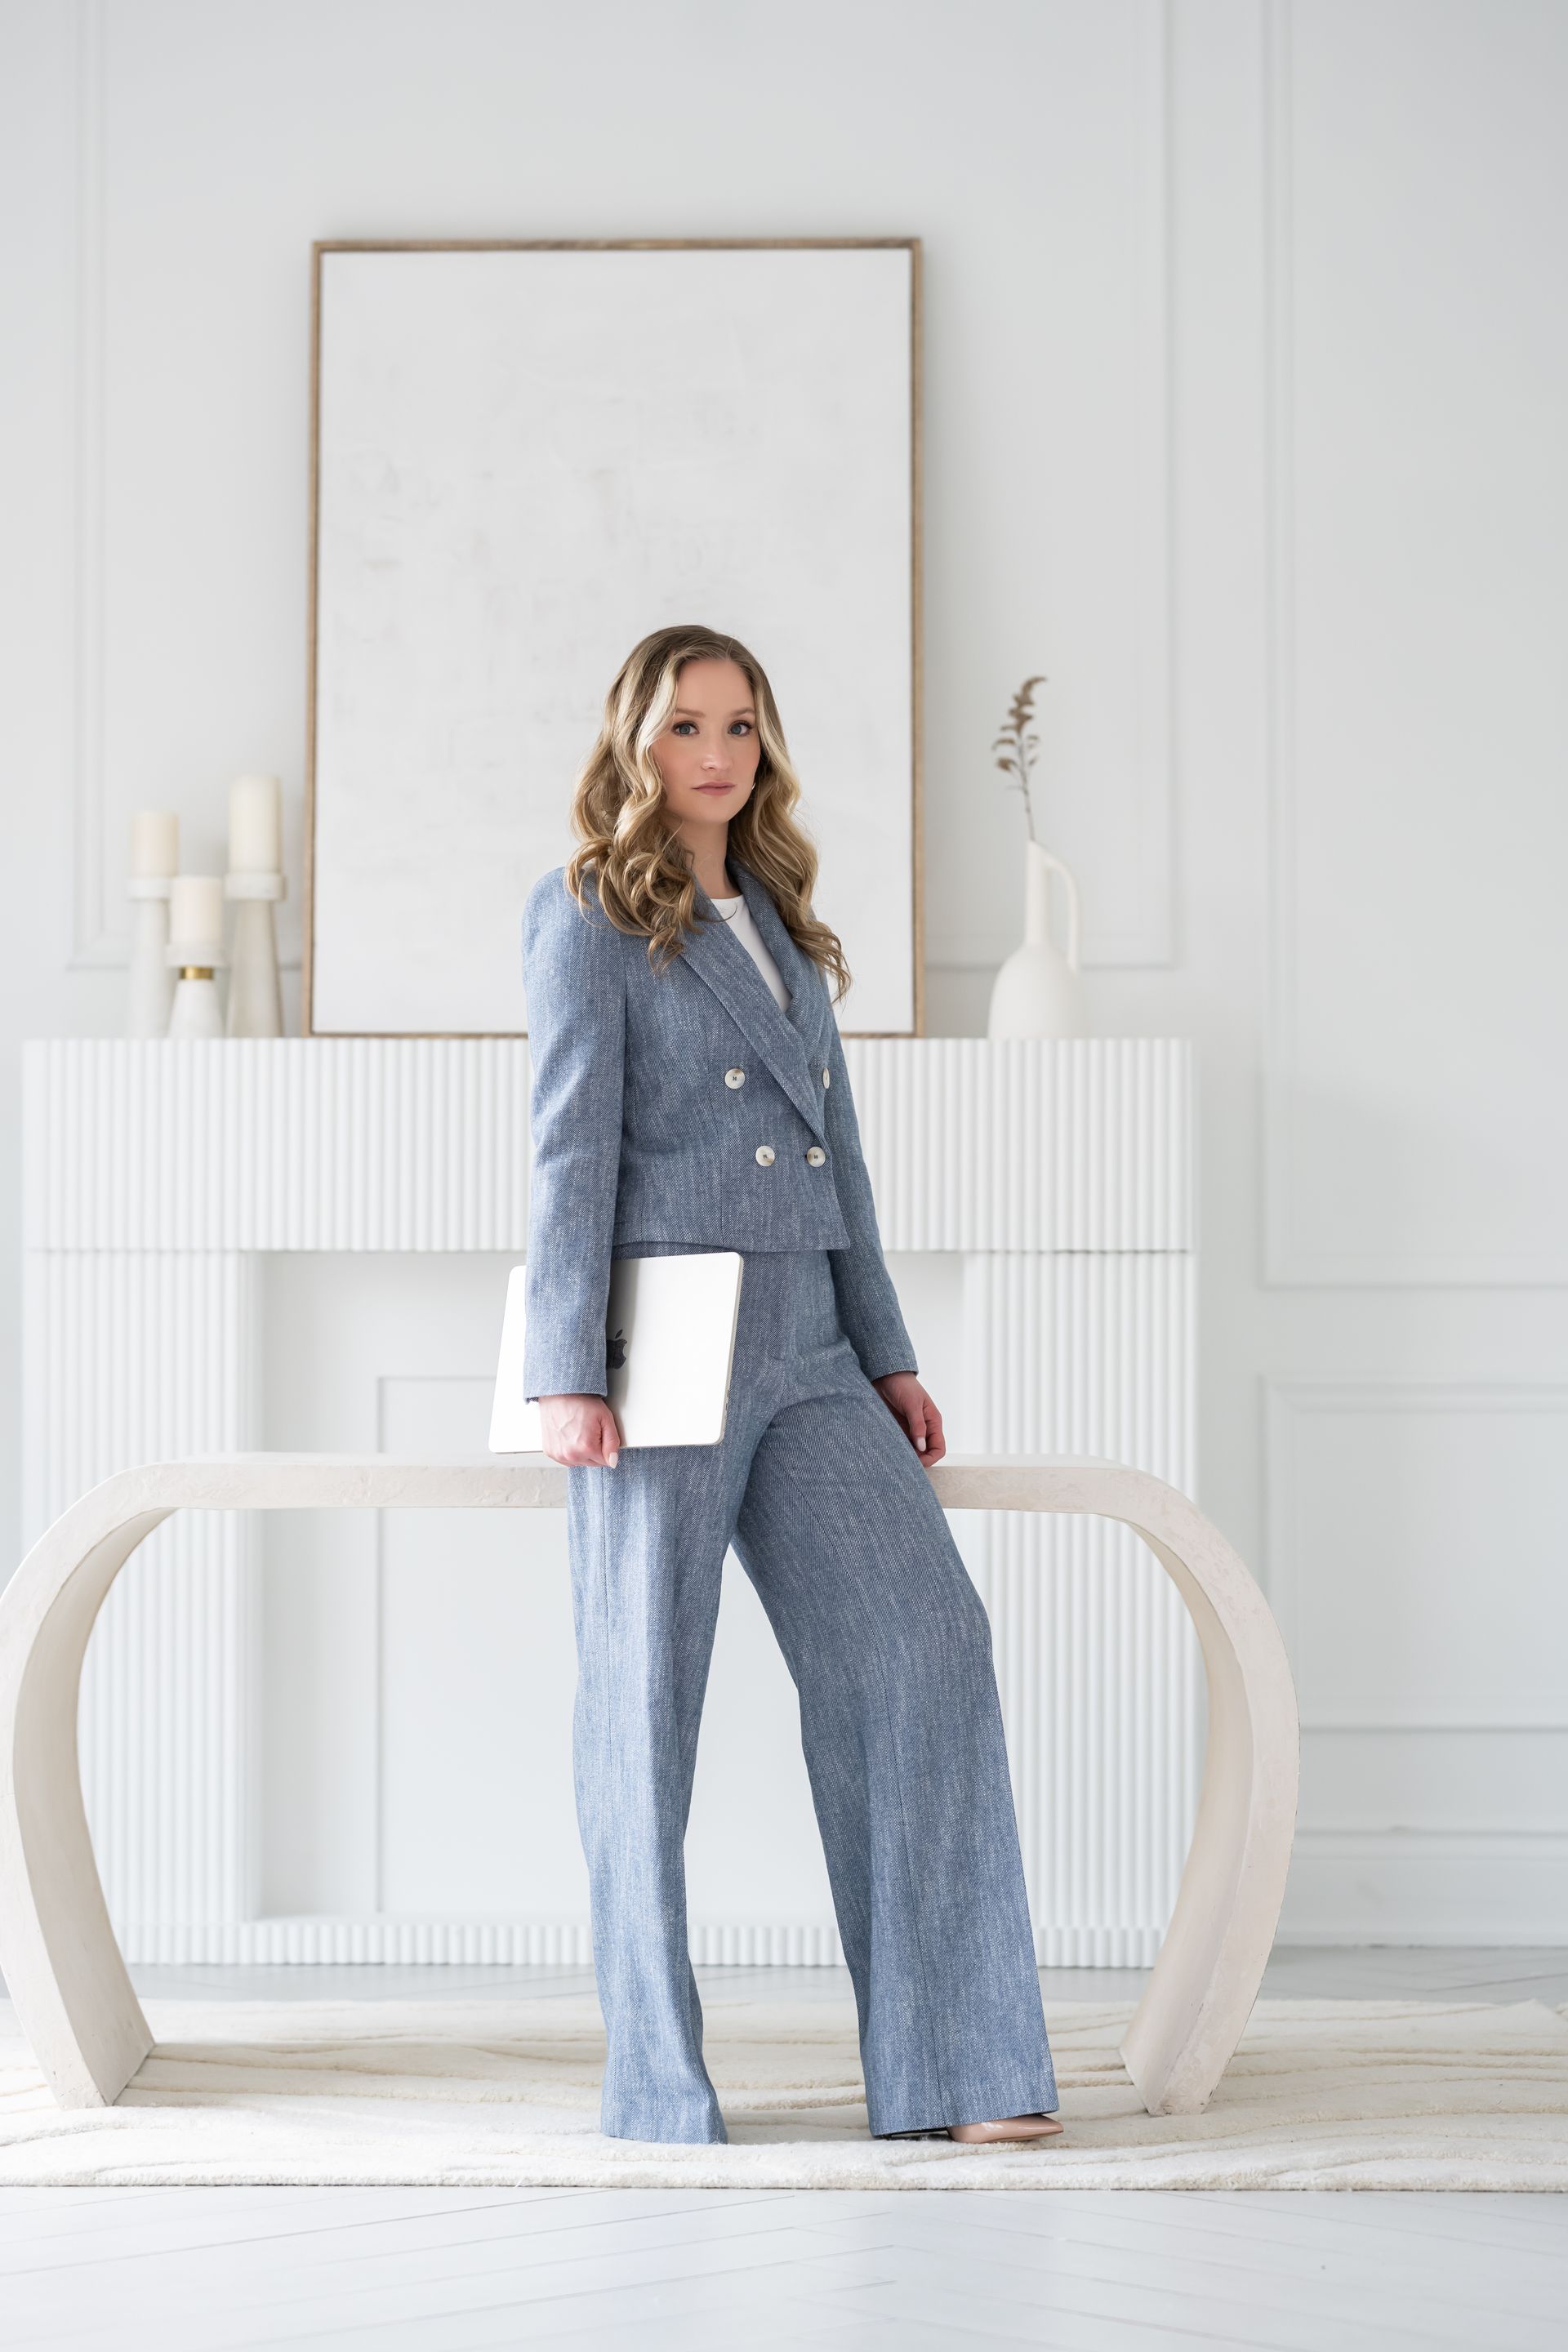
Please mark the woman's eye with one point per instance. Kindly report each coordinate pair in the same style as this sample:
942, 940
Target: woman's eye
680, 726
744, 726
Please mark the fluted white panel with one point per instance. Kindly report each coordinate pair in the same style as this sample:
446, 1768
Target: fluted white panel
367, 1143
155, 1172
1100, 1675
1077, 1144
134, 1356
277, 1143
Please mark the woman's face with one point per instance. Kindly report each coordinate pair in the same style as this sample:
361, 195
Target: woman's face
707, 753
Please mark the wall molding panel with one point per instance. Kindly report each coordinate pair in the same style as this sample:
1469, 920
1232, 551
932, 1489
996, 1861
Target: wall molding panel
1293, 1409
1397, 1160
93, 943
1148, 941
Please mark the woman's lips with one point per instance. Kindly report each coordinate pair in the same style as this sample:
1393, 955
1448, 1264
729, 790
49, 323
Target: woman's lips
715, 788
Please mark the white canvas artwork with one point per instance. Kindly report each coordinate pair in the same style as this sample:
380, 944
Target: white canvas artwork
529, 458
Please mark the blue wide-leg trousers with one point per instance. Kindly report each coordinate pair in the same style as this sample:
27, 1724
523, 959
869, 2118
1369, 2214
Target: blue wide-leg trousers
824, 1499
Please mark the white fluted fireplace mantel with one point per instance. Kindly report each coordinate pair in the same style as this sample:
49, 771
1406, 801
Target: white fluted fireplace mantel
161, 1179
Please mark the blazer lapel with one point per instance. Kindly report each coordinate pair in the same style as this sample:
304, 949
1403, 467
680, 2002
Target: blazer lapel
806, 999
727, 969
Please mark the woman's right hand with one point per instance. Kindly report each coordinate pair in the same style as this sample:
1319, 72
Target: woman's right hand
579, 1431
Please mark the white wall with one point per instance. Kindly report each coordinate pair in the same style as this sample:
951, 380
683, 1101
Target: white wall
1246, 350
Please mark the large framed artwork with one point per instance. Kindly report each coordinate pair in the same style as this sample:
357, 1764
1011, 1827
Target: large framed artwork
527, 456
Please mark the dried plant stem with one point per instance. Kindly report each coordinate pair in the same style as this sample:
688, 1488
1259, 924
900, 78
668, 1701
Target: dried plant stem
1019, 746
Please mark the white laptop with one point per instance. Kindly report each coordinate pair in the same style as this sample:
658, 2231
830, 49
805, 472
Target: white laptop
671, 1342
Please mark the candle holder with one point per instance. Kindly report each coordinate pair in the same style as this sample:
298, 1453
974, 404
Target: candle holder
152, 984
195, 1012
254, 995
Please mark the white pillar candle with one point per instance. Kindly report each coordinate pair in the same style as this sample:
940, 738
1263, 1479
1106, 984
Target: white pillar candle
255, 825
196, 913
154, 843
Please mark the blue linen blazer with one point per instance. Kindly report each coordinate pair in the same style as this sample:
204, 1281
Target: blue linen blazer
685, 1105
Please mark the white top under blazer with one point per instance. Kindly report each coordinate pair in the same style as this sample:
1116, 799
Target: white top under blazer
739, 919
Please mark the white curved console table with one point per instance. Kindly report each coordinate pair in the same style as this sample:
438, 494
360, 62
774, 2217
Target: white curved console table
63, 1967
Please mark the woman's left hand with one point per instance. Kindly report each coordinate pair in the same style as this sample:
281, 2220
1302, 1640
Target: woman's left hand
907, 1401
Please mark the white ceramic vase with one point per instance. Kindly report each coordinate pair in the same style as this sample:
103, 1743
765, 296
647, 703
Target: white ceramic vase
1037, 992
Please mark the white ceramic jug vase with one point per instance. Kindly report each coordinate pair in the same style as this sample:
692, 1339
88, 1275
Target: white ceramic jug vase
1037, 991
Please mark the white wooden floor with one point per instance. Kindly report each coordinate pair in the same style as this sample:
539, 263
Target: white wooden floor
419, 2270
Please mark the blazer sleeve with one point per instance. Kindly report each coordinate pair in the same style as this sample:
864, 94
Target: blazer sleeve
573, 971
868, 1303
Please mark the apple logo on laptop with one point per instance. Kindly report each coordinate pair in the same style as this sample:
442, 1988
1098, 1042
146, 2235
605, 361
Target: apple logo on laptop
617, 1351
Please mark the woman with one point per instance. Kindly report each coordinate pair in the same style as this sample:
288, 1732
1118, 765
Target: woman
690, 1092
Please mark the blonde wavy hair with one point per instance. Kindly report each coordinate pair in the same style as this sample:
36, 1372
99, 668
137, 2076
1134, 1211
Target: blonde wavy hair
630, 855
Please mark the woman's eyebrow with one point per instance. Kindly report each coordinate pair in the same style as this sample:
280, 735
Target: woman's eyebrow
684, 710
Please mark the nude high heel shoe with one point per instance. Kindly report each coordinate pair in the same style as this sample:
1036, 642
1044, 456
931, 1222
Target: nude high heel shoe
1017, 2128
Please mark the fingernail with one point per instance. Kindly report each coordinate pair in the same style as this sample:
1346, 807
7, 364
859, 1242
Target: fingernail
611, 1460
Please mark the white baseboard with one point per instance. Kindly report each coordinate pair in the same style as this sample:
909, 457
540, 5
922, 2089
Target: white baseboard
324, 1942
1428, 1886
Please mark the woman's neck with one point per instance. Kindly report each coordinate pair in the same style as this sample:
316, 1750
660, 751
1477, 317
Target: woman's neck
706, 845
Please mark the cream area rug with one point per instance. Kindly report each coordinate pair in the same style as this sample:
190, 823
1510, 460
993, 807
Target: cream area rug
502, 2094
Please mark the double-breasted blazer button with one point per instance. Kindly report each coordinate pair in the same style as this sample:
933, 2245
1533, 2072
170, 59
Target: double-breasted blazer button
826, 1077
734, 1078
765, 1155
815, 1156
